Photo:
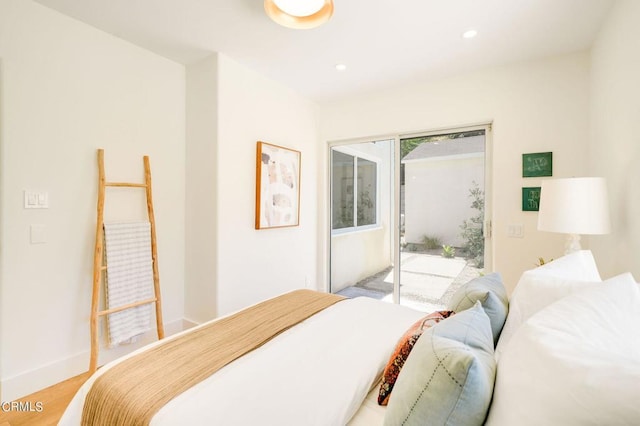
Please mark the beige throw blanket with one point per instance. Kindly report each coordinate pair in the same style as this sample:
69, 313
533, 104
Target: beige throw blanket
132, 391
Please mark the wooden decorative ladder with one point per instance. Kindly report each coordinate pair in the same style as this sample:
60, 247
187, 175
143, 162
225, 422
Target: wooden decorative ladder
99, 268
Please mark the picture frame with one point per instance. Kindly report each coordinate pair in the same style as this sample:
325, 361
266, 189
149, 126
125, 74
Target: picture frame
277, 186
531, 199
537, 164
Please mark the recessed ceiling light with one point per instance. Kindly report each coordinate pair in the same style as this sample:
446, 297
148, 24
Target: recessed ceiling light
299, 14
341, 67
469, 34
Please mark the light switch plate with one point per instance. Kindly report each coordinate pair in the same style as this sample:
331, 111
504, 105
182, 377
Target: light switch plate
515, 231
36, 200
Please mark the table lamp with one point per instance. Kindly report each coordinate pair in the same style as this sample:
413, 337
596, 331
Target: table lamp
574, 206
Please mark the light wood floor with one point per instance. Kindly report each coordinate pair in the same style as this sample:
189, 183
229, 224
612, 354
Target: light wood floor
54, 401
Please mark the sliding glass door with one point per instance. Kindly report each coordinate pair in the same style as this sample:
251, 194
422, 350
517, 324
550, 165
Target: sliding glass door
442, 207
408, 216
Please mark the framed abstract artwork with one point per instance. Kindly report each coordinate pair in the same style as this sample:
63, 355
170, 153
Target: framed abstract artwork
277, 186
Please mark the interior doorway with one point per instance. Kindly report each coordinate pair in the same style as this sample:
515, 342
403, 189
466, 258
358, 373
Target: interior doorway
431, 216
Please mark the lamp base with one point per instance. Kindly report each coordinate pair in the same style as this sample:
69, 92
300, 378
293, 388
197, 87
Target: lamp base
573, 244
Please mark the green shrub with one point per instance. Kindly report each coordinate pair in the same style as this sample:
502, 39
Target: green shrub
431, 243
448, 251
472, 228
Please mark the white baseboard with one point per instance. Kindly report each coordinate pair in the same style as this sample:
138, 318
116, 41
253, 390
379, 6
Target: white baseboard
187, 323
39, 378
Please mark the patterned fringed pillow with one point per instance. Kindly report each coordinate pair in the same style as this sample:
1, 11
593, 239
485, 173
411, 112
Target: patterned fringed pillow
402, 350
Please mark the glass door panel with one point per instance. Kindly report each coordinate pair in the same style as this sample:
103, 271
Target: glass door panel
362, 219
416, 203
441, 216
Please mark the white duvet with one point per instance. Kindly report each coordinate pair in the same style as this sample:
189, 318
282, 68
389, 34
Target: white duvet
316, 373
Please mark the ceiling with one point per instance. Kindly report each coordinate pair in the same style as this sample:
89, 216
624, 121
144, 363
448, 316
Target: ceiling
383, 43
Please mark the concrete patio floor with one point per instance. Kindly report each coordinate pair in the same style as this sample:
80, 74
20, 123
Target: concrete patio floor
427, 281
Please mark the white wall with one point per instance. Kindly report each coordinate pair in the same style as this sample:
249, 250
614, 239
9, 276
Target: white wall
254, 265
438, 198
66, 90
615, 136
201, 177
358, 255
535, 107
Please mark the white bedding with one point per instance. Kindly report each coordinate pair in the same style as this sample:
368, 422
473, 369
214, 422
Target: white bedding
317, 373
369, 413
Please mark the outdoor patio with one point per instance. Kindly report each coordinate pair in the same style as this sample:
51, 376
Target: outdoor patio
427, 281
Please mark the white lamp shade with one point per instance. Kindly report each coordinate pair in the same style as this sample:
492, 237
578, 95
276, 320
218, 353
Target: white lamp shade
574, 206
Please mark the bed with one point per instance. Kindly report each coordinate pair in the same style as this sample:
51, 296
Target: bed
317, 372
325, 367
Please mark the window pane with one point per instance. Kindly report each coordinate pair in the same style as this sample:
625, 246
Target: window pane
366, 192
342, 190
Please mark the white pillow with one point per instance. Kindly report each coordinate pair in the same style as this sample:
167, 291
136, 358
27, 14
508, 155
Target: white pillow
576, 362
578, 265
540, 287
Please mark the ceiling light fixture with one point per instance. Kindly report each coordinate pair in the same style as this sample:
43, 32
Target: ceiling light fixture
341, 67
469, 34
299, 14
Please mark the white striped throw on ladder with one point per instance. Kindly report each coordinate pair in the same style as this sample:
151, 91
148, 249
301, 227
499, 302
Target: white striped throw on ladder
129, 279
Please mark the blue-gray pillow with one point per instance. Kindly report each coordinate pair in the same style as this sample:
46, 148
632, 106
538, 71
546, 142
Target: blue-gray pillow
448, 378
490, 291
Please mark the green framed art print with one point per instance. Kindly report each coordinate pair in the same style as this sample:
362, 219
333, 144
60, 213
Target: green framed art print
537, 164
531, 199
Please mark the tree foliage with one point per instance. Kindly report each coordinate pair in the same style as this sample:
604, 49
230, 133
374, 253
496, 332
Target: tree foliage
472, 228
408, 145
